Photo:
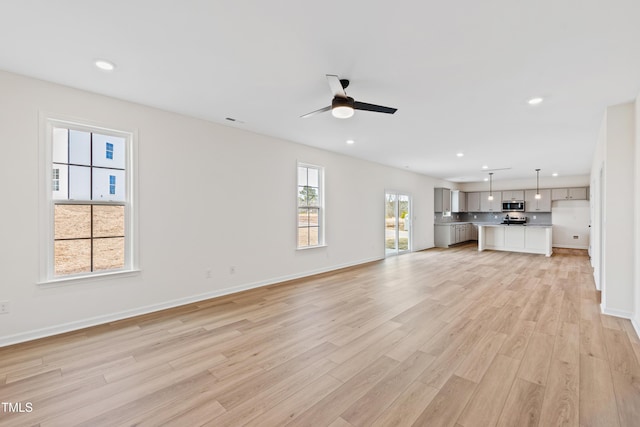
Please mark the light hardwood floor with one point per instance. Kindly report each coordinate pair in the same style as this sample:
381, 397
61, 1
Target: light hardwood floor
436, 338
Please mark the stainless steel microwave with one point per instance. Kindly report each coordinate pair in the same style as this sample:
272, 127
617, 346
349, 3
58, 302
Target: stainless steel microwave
513, 206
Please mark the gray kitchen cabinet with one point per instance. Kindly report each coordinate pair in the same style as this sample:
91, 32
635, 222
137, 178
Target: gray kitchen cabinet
458, 201
543, 204
445, 235
494, 205
473, 202
463, 232
513, 195
450, 234
473, 232
442, 200
579, 193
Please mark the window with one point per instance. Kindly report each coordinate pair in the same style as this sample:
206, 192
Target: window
56, 179
109, 150
89, 202
310, 206
112, 184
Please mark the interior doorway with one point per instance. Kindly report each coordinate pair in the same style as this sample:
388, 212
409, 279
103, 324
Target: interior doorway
397, 223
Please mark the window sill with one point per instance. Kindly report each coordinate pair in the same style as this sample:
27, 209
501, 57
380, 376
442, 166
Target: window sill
306, 248
89, 278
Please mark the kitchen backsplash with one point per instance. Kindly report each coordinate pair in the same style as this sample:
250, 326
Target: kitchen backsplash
540, 218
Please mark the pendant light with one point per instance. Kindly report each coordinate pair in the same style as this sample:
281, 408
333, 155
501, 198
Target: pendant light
490, 198
538, 196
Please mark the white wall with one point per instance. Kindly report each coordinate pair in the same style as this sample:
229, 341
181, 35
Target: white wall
594, 202
615, 154
636, 282
230, 202
571, 218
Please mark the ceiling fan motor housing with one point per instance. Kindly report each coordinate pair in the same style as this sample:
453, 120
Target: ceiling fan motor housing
342, 108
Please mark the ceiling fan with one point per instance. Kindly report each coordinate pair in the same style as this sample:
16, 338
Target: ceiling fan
343, 106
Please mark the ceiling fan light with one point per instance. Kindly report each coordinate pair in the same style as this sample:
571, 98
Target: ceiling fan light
342, 108
342, 112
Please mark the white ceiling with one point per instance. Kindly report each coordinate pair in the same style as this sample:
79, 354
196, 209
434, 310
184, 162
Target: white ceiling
460, 72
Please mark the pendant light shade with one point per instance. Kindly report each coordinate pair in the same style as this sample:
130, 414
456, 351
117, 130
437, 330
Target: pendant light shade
538, 196
490, 198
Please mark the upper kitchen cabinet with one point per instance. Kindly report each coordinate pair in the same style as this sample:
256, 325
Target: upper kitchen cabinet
494, 205
513, 195
458, 201
442, 200
473, 202
569, 193
543, 204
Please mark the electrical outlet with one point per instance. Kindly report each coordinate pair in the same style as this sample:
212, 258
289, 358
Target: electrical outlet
475, 217
534, 217
232, 269
207, 274
4, 307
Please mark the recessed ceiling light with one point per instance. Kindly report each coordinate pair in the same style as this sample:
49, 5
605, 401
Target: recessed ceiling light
460, 154
485, 167
554, 174
535, 101
105, 65
486, 179
350, 141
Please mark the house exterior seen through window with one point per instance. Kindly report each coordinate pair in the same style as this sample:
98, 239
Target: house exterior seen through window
310, 206
89, 202
56, 179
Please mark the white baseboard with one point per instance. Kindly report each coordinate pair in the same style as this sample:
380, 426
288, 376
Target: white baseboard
636, 326
617, 313
107, 318
596, 281
571, 246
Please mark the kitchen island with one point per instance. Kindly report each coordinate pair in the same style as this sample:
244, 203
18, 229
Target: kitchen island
533, 239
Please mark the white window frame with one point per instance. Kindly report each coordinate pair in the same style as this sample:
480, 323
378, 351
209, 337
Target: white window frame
321, 207
48, 122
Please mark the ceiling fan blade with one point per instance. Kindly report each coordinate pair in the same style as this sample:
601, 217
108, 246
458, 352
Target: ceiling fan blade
336, 86
313, 113
372, 107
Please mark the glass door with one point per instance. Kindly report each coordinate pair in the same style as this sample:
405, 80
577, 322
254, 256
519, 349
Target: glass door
397, 223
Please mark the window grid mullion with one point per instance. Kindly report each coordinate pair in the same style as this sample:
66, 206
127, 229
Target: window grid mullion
90, 202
